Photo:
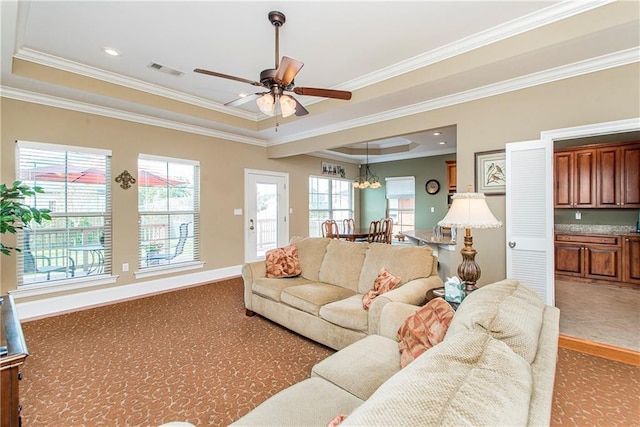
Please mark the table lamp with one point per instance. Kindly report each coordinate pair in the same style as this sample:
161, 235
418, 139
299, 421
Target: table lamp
469, 210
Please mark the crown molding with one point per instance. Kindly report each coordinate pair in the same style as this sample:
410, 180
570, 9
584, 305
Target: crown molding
546, 16
600, 63
53, 101
52, 61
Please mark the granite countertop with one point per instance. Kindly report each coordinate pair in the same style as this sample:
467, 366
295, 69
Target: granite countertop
621, 230
427, 236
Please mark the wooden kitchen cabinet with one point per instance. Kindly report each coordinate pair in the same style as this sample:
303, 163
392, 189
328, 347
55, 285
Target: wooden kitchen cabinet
452, 178
593, 257
618, 176
600, 176
575, 178
631, 259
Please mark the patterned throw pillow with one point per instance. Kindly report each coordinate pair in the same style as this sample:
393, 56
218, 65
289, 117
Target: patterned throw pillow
337, 420
283, 262
383, 283
424, 329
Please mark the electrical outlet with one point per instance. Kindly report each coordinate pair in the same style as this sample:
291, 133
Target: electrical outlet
578, 215
433, 209
125, 266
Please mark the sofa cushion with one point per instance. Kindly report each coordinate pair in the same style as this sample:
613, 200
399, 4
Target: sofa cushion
383, 283
272, 288
311, 252
342, 264
508, 310
406, 262
347, 313
424, 329
312, 296
282, 262
294, 407
361, 367
454, 383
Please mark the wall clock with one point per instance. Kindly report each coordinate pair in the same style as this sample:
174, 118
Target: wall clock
432, 186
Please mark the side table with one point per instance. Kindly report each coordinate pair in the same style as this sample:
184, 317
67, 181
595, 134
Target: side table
439, 293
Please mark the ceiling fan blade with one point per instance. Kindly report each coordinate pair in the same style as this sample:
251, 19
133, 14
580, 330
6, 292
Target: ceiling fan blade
327, 93
287, 70
244, 99
300, 110
226, 76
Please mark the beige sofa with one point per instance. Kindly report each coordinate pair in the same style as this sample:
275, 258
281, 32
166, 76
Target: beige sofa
495, 366
324, 303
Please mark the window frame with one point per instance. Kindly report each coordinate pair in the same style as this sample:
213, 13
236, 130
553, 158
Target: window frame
104, 253
193, 230
315, 223
398, 225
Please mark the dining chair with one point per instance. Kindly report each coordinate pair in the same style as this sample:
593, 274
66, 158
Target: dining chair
330, 229
348, 225
155, 258
387, 230
374, 231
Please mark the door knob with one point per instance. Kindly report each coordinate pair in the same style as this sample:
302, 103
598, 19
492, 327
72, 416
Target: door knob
512, 245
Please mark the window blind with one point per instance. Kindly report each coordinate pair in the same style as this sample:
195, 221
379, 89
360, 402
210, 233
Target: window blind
400, 187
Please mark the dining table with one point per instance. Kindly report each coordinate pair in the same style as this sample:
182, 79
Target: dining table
357, 234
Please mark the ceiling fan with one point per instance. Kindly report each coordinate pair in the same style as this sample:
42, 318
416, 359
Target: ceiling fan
279, 80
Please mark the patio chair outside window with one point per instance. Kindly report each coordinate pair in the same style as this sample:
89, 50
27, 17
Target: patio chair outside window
155, 258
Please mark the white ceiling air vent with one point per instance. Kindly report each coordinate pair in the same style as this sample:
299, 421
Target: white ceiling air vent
165, 69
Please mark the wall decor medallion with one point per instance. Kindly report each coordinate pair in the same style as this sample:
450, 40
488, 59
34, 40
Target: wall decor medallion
491, 172
432, 186
125, 179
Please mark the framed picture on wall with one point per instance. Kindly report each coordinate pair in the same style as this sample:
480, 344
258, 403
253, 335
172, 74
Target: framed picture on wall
491, 172
332, 170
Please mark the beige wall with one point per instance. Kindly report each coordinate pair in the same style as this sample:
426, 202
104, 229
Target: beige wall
482, 125
222, 165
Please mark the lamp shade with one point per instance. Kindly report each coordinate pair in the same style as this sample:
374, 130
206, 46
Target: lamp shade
469, 210
287, 105
266, 104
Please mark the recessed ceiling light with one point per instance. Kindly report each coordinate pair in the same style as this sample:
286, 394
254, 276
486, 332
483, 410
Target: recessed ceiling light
437, 133
243, 95
111, 51
442, 142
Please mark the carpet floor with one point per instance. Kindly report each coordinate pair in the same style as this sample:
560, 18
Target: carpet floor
192, 355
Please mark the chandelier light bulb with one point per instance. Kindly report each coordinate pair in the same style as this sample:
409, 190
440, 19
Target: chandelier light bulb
266, 104
287, 105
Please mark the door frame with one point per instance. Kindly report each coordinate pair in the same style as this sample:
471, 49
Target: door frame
283, 203
596, 129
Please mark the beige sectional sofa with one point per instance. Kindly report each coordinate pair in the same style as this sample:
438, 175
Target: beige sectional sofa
324, 303
495, 366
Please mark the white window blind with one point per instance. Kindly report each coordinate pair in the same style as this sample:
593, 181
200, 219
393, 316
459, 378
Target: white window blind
169, 211
77, 240
400, 187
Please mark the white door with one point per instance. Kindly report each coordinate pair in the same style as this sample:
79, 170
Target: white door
266, 219
529, 209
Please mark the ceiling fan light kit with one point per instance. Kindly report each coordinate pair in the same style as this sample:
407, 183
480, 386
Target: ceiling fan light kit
279, 80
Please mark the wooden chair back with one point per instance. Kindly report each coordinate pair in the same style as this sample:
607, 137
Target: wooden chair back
348, 225
387, 230
330, 229
375, 229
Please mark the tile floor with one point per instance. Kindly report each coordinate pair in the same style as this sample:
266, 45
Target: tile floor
602, 313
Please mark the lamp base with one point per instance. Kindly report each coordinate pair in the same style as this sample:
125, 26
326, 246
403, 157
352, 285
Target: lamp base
469, 270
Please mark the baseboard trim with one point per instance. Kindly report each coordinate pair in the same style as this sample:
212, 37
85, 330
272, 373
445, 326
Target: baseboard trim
46, 307
605, 351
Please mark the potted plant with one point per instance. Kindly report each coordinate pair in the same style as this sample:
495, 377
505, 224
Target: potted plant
15, 214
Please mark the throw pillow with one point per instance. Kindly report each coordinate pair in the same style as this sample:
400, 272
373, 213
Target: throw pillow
424, 329
337, 420
283, 262
383, 283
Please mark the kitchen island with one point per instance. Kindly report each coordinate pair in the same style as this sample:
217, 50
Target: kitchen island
442, 245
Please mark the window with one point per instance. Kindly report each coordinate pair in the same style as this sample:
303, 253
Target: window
77, 241
401, 202
169, 211
329, 198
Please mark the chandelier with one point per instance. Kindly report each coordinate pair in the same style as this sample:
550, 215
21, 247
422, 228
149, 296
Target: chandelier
367, 179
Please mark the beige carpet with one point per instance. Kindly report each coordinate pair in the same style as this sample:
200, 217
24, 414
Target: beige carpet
192, 355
